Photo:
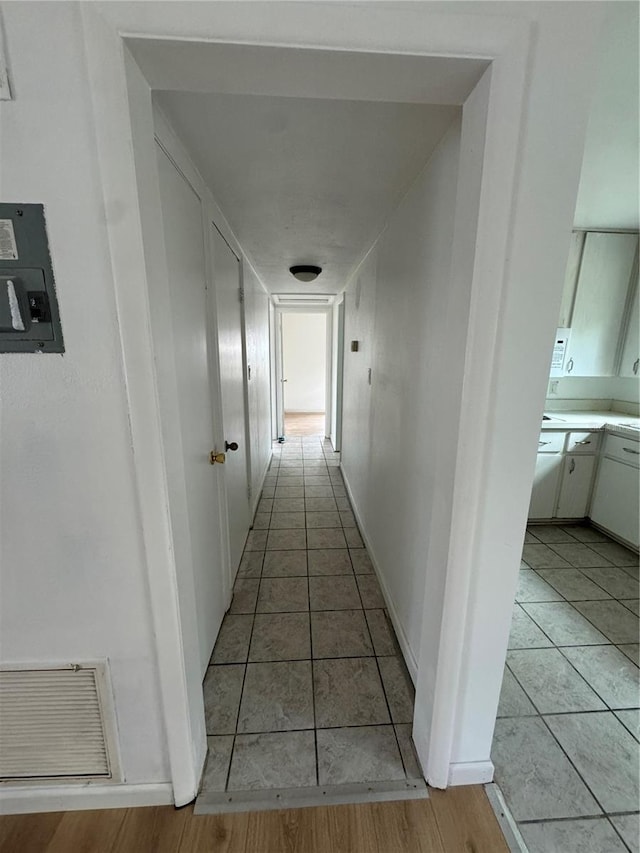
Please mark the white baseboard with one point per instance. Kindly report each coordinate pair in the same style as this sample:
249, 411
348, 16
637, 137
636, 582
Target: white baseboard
471, 773
23, 799
407, 653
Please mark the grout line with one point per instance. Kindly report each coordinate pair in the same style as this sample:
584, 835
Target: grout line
321, 729
313, 682
580, 817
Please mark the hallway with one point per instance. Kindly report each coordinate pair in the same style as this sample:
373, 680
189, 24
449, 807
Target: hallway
307, 686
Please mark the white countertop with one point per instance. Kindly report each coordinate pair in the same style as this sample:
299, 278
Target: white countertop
613, 421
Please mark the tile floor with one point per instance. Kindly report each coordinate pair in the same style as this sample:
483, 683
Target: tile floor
306, 686
566, 748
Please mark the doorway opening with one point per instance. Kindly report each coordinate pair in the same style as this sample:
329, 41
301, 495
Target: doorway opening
474, 127
304, 380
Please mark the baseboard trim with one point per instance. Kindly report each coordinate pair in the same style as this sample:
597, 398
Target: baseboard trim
407, 653
471, 773
25, 799
625, 542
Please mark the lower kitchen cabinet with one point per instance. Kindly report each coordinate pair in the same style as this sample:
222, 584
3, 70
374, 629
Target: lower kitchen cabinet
545, 485
575, 488
563, 487
615, 505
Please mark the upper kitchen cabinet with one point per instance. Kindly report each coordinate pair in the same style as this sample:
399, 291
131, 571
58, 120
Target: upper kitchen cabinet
630, 361
600, 303
571, 278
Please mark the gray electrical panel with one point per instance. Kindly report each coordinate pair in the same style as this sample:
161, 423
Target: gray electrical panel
29, 318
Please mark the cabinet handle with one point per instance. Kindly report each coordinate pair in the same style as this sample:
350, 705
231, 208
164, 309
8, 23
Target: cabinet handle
570, 365
629, 450
636, 364
572, 466
542, 443
584, 441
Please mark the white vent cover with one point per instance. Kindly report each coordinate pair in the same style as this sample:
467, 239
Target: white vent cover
52, 724
302, 299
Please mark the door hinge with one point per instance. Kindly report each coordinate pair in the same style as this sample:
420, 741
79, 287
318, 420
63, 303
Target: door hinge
240, 294
249, 492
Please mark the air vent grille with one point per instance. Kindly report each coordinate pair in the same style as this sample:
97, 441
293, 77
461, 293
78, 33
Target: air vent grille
304, 300
51, 724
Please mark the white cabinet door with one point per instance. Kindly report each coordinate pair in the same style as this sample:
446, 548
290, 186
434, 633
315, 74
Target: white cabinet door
545, 485
577, 475
571, 278
615, 502
600, 302
630, 362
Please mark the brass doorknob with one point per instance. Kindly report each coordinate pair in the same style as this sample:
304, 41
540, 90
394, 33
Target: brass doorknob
216, 457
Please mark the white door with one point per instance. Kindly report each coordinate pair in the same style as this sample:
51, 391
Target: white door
280, 377
184, 242
226, 277
337, 380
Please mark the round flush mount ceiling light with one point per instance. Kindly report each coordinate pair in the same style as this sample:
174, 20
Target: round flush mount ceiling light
305, 273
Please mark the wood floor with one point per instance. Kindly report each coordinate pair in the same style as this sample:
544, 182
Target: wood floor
304, 424
459, 820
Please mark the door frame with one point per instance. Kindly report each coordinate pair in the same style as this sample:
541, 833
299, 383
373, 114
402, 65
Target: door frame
481, 569
337, 374
279, 361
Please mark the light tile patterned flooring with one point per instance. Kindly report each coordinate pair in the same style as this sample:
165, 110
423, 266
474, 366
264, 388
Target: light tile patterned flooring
307, 686
566, 746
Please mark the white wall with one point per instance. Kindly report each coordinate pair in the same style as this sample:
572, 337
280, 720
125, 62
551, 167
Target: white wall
608, 194
256, 318
73, 583
396, 308
597, 388
304, 345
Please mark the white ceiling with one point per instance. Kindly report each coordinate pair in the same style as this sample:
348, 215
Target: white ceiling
608, 195
305, 180
310, 72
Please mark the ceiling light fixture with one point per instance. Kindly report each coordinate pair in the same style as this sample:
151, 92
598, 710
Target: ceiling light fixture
305, 273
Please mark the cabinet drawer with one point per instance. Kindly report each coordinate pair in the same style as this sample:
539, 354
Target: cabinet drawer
583, 442
625, 449
551, 442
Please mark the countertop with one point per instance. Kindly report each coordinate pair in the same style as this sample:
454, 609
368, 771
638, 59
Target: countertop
627, 425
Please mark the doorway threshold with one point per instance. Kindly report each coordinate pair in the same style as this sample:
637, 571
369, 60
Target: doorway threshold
209, 802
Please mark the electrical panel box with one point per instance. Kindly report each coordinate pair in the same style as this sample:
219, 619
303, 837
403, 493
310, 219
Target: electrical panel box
29, 317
